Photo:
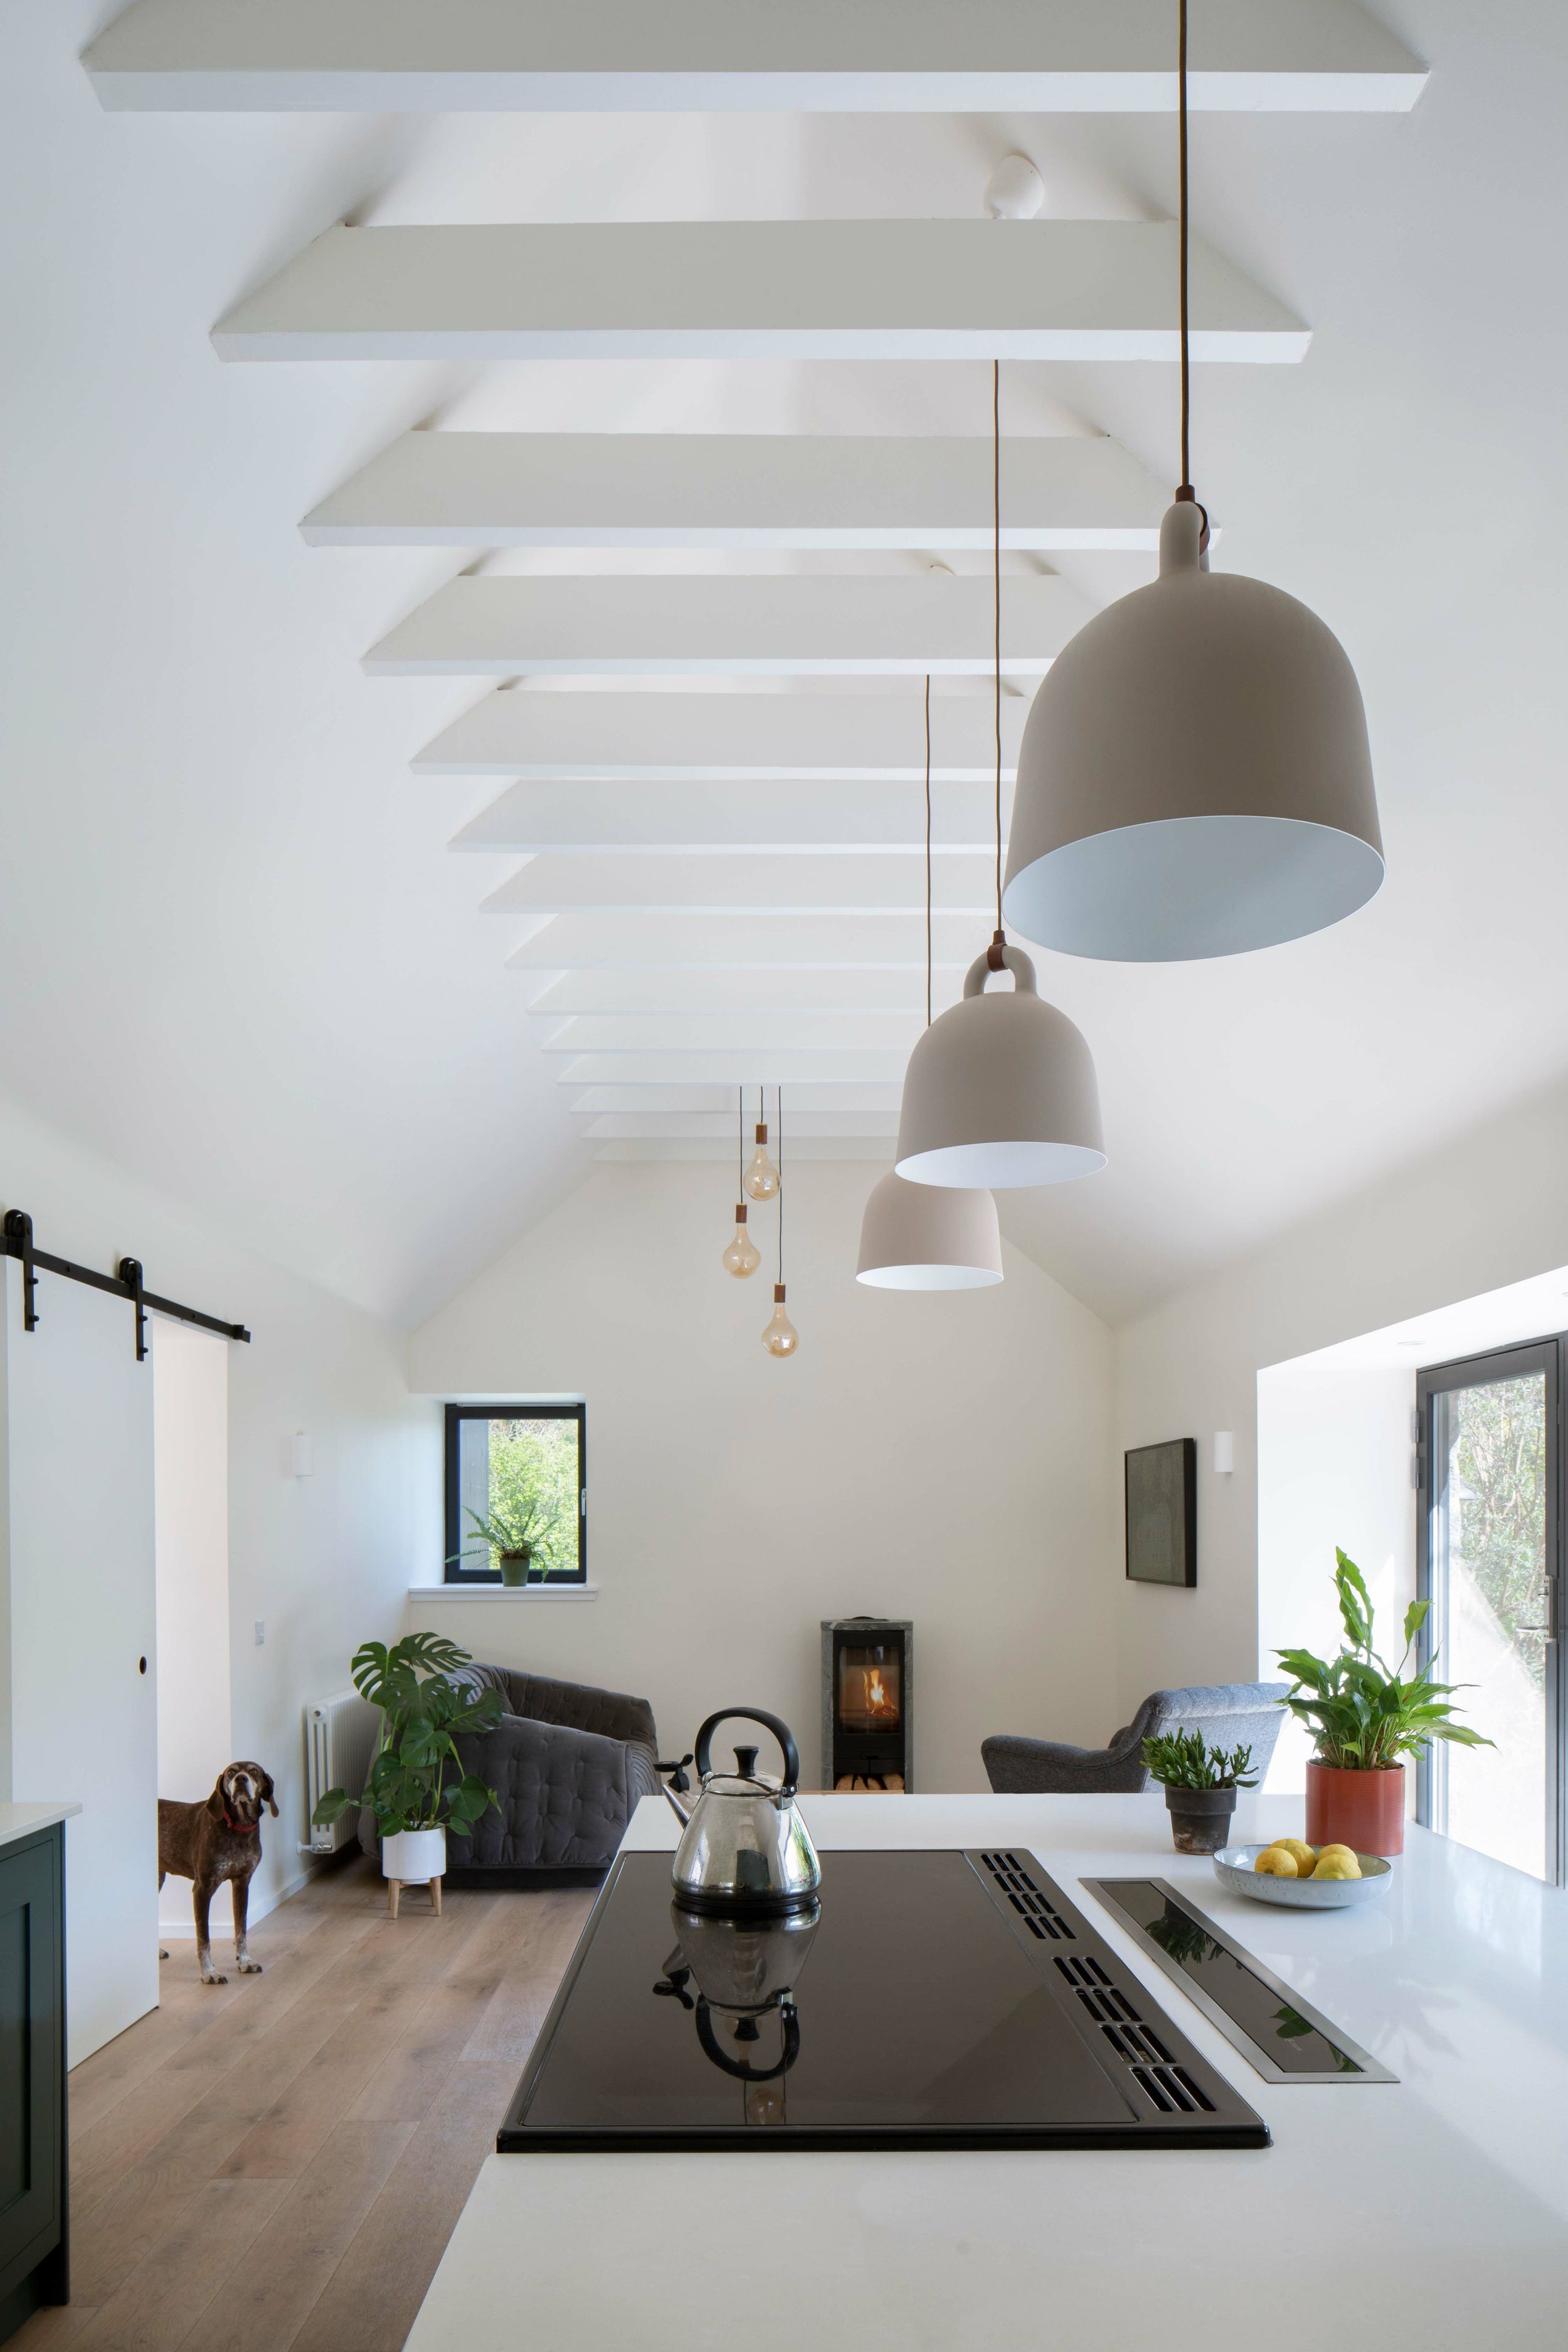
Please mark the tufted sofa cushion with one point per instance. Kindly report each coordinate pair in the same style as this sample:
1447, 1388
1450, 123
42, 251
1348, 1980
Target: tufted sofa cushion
569, 1763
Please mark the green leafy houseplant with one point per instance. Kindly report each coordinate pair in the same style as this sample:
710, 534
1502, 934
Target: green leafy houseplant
518, 1532
1183, 1760
1364, 1715
423, 1716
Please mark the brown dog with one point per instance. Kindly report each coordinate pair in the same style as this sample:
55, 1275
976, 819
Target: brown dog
209, 1842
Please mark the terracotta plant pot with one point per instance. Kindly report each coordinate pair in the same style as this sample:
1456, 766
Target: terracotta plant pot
514, 1566
1200, 1818
1364, 1810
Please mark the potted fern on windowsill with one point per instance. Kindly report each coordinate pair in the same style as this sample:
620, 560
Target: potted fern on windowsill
1366, 1718
519, 1534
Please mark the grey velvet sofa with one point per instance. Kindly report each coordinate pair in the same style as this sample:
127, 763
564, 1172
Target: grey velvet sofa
569, 1763
1227, 1714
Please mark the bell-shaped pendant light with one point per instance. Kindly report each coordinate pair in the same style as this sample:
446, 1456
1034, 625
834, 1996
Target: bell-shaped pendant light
1194, 778
929, 1236
1001, 1091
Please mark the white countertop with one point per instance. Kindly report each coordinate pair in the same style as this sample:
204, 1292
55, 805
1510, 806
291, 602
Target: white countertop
21, 1820
1432, 2213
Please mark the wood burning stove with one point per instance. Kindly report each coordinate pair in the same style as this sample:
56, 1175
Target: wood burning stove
867, 1729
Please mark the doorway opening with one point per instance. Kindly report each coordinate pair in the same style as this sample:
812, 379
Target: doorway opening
190, 1453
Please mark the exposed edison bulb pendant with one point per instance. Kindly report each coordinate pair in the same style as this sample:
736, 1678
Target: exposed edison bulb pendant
742, 1256
761, 1178
781, 1338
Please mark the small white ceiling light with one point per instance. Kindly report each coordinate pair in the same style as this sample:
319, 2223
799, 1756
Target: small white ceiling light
1195, 778
1001, 1091
1014, 190
929, 1236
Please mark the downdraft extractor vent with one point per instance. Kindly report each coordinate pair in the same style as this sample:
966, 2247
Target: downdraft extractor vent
1165, 2085
1039, 1914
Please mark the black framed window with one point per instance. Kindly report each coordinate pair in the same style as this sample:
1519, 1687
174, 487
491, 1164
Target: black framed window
522, 1470
1490, 1546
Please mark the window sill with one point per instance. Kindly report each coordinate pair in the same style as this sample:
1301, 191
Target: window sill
504, 1591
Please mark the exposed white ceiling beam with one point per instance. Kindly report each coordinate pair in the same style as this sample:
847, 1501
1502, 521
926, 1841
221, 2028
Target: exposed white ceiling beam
879, 738
766, 1035
873, 1102
590, 819
862, 887
764, 942
896, 289
820, 624
781, 990
716, 1128
745, 1067
926, 57
876, 1149
749, 489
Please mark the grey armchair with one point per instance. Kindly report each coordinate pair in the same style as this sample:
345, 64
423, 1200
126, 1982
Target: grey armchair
1227, 1714
569, 1763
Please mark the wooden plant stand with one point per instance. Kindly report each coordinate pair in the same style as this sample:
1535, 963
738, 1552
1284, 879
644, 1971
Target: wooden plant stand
395, 1896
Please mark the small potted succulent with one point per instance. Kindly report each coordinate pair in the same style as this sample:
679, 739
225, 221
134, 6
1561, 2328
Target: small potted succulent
1200, 1784
1366, 1718
418, 1784
519, 1533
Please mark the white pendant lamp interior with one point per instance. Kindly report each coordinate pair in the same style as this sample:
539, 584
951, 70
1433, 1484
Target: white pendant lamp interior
1194, 778
929, 1236
1001, 1091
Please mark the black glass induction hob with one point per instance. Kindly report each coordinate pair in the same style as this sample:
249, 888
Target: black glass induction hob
938, 2000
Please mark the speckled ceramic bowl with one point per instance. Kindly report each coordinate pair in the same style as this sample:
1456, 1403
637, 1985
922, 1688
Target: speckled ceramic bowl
1233, 1868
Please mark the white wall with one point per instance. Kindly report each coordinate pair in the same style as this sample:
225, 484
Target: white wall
324, 1560
1488, 1211
1333, 1469
190, 1454
940, 1458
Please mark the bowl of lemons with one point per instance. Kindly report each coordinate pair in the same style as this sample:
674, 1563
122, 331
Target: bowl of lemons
1302, 1877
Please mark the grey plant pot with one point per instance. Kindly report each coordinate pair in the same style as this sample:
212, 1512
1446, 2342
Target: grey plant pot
1200, 1818
514, 1566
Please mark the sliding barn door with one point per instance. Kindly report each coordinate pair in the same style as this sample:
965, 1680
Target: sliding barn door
83, 1699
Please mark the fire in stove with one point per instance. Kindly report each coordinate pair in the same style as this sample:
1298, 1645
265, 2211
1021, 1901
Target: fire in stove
868, 1694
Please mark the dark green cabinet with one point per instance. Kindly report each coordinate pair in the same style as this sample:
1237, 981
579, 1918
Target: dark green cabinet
33, 2266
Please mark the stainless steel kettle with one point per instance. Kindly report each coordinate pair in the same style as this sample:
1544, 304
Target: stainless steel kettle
745, 1848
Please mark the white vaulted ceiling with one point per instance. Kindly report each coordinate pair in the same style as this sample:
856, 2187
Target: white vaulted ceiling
587, 494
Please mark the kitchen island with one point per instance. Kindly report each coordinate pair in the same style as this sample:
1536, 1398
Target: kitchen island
1432, 2211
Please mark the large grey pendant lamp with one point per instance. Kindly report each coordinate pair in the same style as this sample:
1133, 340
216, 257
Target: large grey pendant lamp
1194, 778
1001, 1091
929, 1236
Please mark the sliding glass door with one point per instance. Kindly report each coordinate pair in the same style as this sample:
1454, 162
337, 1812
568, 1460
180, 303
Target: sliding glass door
1488, 1554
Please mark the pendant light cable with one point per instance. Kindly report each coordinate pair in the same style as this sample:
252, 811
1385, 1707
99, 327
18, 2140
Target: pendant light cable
928, 854
996, 596
1185, 490
741, 1138
780, 1108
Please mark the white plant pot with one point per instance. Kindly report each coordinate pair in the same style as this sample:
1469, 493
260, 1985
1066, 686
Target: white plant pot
413, 1857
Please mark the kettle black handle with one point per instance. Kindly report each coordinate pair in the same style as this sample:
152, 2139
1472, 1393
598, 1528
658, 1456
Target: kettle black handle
781, 1731
788, 2052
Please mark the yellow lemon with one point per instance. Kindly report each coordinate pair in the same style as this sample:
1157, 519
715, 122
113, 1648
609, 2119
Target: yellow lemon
1336, 1848
1304, 1856
1275, 1862
1336, 1865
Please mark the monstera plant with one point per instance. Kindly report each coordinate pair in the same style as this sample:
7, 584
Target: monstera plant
418, 1780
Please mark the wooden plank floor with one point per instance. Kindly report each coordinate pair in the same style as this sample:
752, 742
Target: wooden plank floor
280, 2160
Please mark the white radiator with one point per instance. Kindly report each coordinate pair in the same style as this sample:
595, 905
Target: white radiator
339, 1741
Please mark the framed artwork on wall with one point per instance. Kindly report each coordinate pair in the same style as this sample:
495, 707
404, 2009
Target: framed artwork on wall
1162, 1488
